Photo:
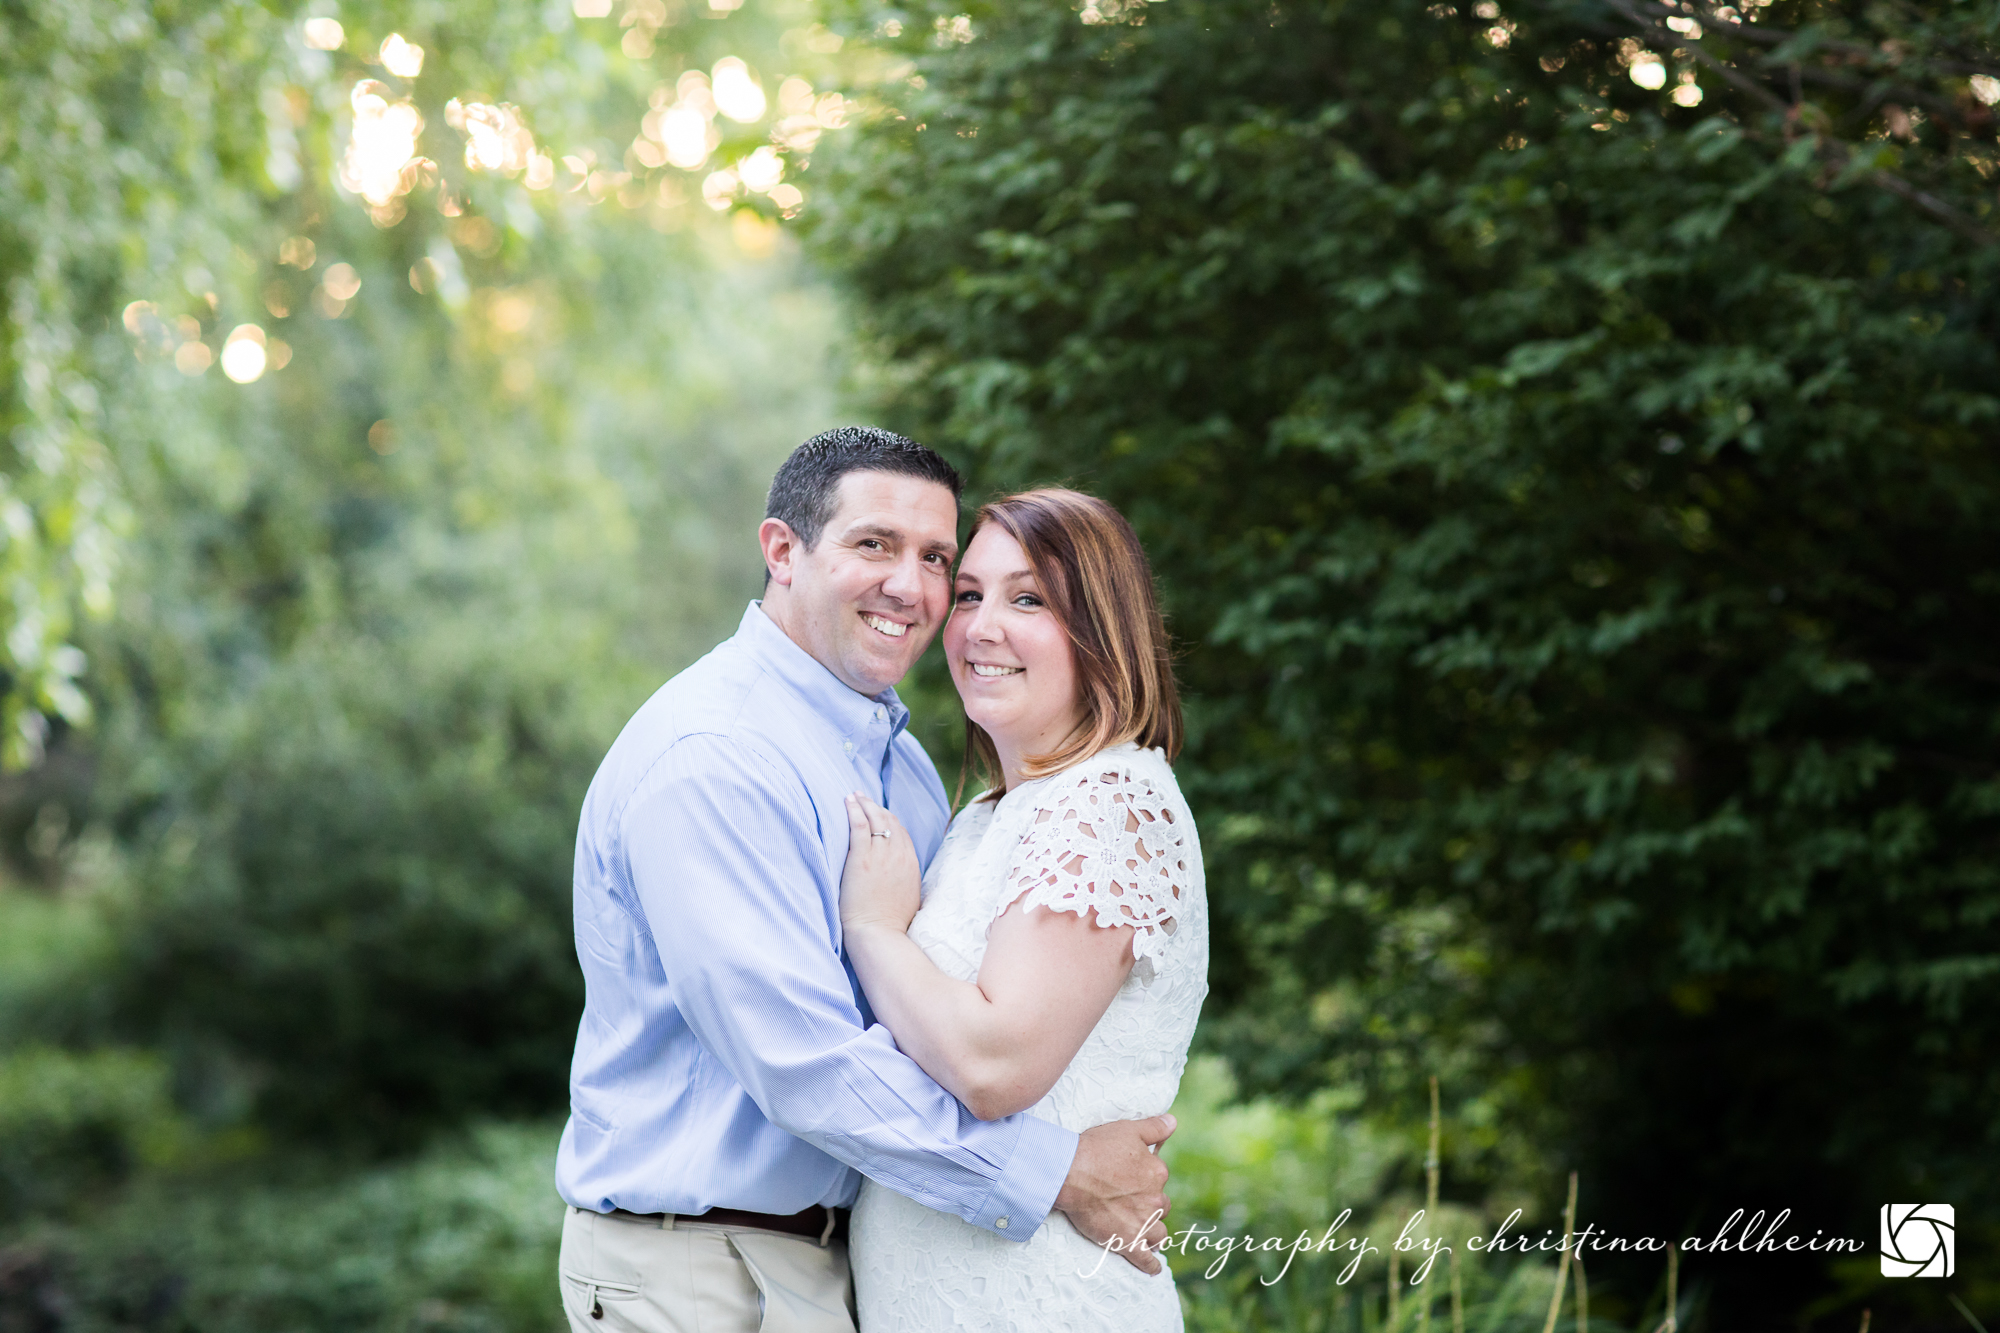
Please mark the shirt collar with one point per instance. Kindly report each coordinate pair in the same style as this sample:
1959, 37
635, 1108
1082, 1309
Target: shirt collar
826, 694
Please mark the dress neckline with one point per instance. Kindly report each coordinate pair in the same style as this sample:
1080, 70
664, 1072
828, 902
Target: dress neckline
1122, 748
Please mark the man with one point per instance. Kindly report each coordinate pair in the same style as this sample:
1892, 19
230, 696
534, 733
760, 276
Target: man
728, 1083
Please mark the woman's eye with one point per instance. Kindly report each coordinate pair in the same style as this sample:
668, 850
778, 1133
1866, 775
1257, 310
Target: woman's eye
966, 597
1027, 599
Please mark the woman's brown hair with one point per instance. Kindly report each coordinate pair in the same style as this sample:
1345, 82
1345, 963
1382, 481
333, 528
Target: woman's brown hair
1095, 578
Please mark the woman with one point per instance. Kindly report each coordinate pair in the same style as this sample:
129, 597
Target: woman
1060, 956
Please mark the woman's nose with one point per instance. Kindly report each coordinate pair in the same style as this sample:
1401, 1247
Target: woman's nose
983, 627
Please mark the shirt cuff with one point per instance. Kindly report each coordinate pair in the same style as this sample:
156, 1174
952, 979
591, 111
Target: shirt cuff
1023, 1196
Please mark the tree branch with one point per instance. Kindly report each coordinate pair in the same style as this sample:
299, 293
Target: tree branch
1768, 36
1836, 152
1951, 217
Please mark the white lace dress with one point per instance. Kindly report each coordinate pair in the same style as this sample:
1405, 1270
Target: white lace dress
1114, 834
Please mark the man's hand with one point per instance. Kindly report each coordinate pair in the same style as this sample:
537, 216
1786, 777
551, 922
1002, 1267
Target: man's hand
1116, 1189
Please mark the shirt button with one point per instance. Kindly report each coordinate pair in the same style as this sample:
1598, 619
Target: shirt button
847, 746
1000, 1222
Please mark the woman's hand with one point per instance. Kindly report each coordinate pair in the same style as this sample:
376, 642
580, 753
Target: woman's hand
882, 885
997, 1044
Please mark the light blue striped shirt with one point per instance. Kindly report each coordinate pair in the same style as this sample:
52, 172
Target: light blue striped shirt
724, 1058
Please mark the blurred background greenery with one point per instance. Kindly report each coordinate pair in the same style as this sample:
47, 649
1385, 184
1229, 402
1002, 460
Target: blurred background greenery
1564, 429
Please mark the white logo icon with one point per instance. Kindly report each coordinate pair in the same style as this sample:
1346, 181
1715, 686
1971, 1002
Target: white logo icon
1918, 1240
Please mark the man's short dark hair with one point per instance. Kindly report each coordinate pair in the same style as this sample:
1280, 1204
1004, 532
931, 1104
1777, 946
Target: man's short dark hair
807, 487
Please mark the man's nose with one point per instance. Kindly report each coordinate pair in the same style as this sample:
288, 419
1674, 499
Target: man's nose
905, 583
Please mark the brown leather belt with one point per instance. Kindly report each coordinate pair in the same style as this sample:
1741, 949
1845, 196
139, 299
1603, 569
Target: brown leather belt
812, 1223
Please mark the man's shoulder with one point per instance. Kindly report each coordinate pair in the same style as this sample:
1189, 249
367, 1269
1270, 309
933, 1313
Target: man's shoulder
727, 706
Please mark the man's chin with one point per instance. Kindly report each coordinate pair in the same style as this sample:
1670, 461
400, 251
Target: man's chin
888, 668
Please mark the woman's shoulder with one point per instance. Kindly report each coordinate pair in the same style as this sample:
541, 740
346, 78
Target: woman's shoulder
1120, 791
1112, 835
1125, 771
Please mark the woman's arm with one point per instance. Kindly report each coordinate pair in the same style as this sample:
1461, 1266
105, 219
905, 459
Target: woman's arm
999, 1044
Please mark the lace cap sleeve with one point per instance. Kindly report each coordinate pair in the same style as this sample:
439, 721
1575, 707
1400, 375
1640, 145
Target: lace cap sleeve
1105, 841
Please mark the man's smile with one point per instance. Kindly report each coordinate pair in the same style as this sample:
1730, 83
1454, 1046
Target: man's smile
883, 625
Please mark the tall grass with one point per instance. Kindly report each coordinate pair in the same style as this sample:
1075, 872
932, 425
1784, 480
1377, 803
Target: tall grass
1274, 1171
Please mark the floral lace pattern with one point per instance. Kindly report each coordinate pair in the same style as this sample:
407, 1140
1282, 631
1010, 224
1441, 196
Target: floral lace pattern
1106, 842
1111, 836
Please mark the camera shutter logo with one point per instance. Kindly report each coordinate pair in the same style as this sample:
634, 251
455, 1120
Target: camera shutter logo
1918, 1240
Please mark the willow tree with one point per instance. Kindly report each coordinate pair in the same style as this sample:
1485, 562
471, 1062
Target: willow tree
1567, 433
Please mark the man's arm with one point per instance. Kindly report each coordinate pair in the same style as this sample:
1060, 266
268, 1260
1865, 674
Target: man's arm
725, 856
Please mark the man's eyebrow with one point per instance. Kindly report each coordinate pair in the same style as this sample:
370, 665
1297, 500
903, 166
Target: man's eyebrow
861, 530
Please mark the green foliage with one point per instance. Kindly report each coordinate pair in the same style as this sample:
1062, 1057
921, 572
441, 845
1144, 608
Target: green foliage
154, 159
1575, 509
364, 906
1289, 1212
1274, 1166
464, 1236
381, 608
72, 1125
463, 1239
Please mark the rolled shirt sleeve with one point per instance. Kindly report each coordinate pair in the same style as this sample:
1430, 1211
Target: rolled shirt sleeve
730, 860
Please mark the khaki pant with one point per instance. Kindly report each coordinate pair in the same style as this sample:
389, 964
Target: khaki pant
625, 1276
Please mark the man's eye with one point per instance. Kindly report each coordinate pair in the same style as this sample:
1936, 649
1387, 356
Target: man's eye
871, 544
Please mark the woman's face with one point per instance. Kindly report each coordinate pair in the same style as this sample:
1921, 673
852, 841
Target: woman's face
1010, 657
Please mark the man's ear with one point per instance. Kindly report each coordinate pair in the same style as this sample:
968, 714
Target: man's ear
781, 548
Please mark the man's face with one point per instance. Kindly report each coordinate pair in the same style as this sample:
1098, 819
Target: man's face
867, 599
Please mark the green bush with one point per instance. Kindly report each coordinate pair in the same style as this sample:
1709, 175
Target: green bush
461, 1240
356, 928
73, 1125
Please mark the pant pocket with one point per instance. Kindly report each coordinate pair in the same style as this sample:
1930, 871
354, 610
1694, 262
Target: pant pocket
801, 1287
590, 1295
